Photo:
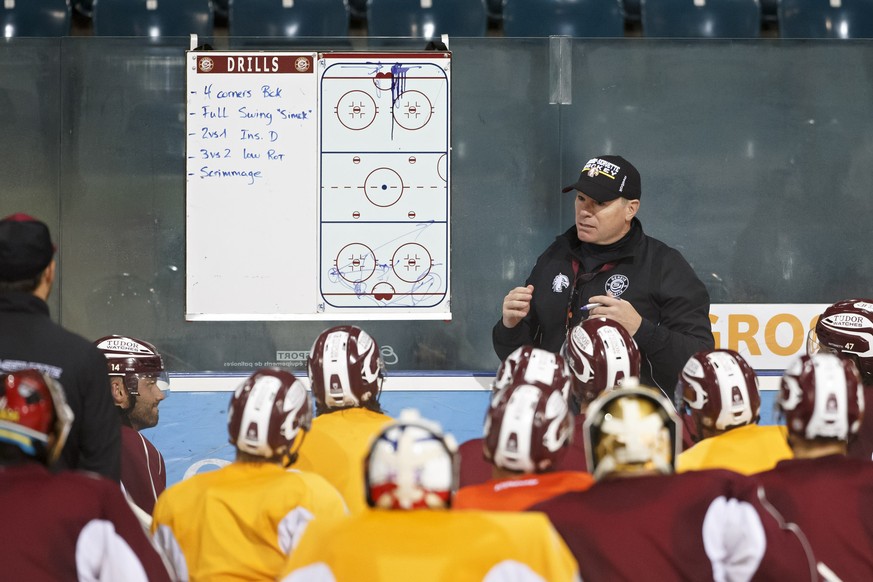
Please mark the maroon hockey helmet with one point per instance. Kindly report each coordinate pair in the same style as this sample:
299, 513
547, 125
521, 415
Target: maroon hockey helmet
601, 354
132, 359
720, 389
533, 365
33, 408
345, 368
269, 414
821, 396
528, 426
847, 327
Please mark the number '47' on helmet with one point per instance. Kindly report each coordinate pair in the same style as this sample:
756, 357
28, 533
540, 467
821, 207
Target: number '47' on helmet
846, 327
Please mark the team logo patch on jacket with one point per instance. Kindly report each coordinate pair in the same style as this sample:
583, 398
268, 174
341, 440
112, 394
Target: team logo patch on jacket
560, 282
616, 285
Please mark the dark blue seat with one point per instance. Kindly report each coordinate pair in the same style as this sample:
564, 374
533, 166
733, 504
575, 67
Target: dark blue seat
579, 18
426, 18
701, 18
770, 10
221, 8
84, 7
35, 18
153, 18
288, 19
821, 19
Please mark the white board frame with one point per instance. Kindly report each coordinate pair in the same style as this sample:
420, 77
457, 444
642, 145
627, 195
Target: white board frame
260, 220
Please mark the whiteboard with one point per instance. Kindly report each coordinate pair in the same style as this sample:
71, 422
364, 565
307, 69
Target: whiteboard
318, 186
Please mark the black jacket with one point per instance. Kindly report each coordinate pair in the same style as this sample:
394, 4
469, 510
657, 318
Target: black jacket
654, 278
30, 339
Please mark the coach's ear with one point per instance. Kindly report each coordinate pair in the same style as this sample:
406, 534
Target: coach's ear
631, 209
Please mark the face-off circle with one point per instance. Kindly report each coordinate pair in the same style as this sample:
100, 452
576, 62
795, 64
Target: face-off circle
356, 110
412, 110
355, 262
383, 187
411, 262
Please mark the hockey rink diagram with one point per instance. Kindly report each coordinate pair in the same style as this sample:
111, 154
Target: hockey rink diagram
384, 183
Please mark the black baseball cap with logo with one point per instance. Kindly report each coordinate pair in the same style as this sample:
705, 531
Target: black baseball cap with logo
606, 178
26, 247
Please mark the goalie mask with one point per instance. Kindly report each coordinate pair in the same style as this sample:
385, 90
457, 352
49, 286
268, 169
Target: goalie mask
34, 414
631, 429
411, 464
269, 414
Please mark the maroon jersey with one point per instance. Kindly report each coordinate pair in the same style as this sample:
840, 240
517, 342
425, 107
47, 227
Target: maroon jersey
143, 475
831, 499
861, 447
704, 525
474, 469
574, 459
689, 432
56, 525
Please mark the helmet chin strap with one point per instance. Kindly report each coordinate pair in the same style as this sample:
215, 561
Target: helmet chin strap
131, 401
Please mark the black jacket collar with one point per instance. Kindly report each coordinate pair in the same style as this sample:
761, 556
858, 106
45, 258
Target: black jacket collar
14, 301
592, 256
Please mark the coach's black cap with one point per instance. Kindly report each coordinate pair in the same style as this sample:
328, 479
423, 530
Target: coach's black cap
608, 177
26, 247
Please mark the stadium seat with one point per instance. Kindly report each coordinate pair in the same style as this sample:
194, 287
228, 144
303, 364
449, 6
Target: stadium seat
426, 18
288, 18
825, 18
579, 18
769, 10
221, 8
35, 17
153, 18
84, 7
701, 18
